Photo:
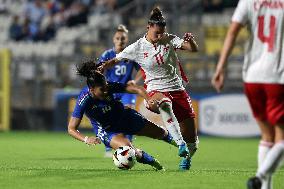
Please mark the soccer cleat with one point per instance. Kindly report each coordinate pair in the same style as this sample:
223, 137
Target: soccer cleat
254, 183
183, 150
185, 163
157, 165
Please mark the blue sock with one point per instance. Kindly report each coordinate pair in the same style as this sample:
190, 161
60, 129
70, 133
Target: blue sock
108, 149
130, 137
168, 138
146, 158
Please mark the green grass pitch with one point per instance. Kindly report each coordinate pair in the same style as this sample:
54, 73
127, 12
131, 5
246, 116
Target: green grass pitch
31, 160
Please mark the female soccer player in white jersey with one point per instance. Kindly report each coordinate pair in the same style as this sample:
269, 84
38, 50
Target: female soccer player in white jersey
156, 54
263, 75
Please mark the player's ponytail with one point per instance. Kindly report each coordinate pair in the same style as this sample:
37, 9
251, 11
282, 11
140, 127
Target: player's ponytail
156, 17
88, 69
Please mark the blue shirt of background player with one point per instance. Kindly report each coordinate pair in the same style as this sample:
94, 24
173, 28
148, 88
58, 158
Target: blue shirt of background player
121, 72
109, 114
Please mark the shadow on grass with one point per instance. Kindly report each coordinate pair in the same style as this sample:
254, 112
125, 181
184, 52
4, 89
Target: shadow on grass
114, 170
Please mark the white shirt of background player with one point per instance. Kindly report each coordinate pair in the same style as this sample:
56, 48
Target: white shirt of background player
264, 51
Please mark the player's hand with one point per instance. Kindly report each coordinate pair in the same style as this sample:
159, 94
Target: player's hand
131, 82
188, 36
92, 141
153, 106
102, 66
218, 80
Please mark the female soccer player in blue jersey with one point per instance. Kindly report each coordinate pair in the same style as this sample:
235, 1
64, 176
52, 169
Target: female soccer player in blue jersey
115, 121
122, 72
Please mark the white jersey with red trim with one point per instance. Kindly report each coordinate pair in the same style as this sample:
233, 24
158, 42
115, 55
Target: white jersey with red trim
159, 62
264, 55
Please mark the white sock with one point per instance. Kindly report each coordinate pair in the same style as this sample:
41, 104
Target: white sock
267, 183
263, 149
170, 120
272, 161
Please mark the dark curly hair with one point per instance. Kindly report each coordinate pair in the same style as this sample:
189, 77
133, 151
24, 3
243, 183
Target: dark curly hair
89, 69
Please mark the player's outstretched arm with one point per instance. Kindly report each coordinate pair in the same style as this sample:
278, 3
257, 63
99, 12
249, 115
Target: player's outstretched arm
189, 43
218, 78
138, 76
108, 64
135, 89
72, 130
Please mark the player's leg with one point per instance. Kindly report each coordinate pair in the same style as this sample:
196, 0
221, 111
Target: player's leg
182, 107
108, 150
275, 116
266, 142
117, 140
258, 107
156, 132
272, 162
189, 133
275, 156
265, 145
137, 124
170, 121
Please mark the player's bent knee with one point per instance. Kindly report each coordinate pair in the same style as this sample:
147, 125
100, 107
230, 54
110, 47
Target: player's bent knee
164, 104
158, 96
118, 141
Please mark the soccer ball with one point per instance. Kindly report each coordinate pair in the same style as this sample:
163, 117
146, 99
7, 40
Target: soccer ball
124, 157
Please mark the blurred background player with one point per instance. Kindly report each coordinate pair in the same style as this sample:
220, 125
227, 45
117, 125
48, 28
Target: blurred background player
112, 120
263, 75
156, 54
122, 72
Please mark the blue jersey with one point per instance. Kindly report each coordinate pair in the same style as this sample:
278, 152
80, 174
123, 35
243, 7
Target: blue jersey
107, 113
121, 72
108, 117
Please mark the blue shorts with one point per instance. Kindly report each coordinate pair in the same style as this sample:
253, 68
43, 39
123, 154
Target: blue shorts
131, 123
126, 98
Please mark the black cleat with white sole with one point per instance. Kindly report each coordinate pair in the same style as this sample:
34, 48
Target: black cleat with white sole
254, 183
